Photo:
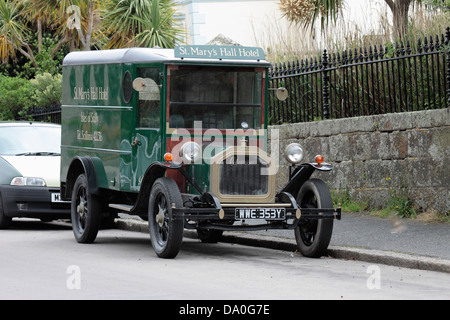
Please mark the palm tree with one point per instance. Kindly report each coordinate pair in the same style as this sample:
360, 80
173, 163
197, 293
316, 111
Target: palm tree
145, 23
31, 14
75, 20
307, 11
13, 32
159, 30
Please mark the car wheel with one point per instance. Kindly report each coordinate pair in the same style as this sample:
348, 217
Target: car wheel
85, 212
313, 235
5, 221
209, 236
166, 233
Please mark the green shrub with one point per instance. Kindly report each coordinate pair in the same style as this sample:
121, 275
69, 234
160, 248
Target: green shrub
401, 203
343, 198
47, 90
16, 96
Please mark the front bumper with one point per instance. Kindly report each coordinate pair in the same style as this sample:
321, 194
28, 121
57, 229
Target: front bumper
33, 202
220, 216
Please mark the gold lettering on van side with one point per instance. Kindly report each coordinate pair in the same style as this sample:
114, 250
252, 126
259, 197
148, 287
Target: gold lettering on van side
92, 93
91, 117
85, 135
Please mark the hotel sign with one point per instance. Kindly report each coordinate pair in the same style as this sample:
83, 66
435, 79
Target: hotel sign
219, 52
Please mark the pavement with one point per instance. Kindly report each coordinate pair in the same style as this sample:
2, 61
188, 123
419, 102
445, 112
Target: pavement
358, 236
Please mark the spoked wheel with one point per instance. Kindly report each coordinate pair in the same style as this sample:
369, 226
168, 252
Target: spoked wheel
313, 235
85, 212
166, 233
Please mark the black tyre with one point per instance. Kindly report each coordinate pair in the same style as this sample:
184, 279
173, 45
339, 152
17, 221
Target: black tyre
166, 233
5, 221
313, 235
209, 236
85, 212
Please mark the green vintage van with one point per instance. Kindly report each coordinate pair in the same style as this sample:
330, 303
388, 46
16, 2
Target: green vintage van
179, 137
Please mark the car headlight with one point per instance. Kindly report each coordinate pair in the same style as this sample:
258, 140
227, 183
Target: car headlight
190, 152
28, 181
294, 153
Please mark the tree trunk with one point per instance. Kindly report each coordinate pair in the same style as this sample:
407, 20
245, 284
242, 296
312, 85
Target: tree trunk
28, 53
39, 27
400, 9
87, 44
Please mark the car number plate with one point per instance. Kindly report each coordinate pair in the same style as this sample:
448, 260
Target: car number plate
261, 213
56, 198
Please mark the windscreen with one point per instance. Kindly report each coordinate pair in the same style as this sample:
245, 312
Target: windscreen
221, 98
30, 140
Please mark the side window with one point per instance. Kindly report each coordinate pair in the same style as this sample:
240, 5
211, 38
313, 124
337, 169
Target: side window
127, 87
149, 98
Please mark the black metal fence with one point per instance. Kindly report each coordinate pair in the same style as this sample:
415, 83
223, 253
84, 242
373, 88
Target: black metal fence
365, 81
51, 114
359, 82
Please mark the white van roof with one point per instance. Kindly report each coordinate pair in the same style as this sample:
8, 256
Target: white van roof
137, 55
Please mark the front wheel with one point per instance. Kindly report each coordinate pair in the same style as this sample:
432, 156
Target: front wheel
313, 235
166, 233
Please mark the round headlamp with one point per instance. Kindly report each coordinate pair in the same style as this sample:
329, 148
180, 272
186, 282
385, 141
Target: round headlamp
190, 152
294, 153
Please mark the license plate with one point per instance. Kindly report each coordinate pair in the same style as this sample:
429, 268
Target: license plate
260, 213
56, 198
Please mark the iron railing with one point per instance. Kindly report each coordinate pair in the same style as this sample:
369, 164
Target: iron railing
358, 82
365, 81
51, 114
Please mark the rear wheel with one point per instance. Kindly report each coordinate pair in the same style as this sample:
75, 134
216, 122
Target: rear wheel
85, 212
166, 233
209, 236
313, 235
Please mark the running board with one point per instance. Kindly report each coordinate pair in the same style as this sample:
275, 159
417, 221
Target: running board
121, 207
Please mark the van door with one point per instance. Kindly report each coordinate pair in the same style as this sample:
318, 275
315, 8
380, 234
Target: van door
147, 142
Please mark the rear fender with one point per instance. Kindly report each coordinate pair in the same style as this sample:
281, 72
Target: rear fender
92, 168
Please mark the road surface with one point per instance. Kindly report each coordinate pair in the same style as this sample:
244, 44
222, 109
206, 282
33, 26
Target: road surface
43, 261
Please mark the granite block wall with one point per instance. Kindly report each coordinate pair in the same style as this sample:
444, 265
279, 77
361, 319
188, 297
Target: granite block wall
375, 155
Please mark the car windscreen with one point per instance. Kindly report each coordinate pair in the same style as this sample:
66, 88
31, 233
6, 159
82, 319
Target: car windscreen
30, 140
221, 98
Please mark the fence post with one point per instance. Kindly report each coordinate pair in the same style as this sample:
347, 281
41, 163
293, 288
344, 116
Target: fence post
326, 86
447, 43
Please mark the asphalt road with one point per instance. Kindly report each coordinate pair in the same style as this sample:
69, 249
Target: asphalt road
358, 236
43, 261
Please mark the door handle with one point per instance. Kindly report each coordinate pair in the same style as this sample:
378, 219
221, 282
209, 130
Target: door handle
135, 142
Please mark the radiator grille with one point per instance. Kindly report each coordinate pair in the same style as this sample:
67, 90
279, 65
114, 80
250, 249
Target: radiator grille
242, 175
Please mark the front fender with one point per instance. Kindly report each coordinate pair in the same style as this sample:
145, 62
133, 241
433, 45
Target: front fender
301, 174
321, 167
154, 171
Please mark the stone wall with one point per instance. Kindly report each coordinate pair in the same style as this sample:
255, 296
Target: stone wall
375, 155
